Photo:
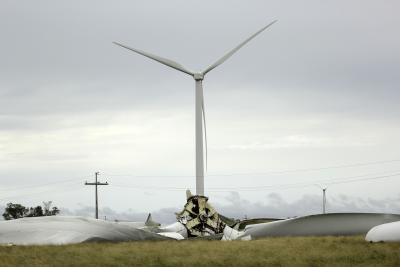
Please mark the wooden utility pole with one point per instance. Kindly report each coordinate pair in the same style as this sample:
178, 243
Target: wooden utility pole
96, 183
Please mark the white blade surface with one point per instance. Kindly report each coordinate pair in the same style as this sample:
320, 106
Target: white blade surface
233, 51
165, 61
205, 132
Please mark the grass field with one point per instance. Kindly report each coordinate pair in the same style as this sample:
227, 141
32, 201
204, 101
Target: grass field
294, 251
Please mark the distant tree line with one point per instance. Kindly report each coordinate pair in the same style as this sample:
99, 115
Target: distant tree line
16, 211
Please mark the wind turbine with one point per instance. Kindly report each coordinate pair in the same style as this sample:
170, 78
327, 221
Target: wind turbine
323, 198
199, 106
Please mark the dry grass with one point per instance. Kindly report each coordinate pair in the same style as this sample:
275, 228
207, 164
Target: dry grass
295, 251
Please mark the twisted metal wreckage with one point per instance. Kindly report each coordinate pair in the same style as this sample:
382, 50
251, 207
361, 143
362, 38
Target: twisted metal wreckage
197, 220
199, 217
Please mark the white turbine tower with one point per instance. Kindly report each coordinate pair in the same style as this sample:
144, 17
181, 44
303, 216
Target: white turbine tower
200, 116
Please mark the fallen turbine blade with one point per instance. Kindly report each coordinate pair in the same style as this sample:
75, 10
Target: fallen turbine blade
233, 51
165, 61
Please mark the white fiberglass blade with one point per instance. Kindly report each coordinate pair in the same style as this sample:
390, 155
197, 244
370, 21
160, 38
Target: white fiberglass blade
205, 131
165, 61
230, 53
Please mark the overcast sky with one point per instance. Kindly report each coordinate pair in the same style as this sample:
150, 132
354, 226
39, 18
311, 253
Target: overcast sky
318, 89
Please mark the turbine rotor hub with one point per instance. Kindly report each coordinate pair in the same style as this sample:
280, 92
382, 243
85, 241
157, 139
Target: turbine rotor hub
198, 76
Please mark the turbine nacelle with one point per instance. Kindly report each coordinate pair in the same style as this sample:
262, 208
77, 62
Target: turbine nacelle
198, 76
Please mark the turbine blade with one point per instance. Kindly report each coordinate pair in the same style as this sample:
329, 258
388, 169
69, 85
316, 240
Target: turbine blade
165, 61
205, 131
233, 51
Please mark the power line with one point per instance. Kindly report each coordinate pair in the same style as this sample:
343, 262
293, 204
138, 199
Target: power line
52, 184
289, 186
322, 181
263, 173
312, 169
243, 188
261, 188
70, 188
366, 179
41, 185
350, 179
